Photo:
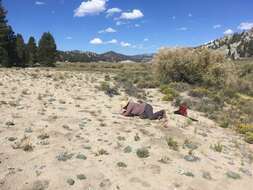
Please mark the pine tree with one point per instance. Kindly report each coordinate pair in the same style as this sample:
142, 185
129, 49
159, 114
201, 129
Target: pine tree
32, 51
3, 37
21, 51
47, 50
4, 60
7, 37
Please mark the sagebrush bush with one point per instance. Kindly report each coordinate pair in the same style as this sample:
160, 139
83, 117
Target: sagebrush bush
187, 65
249, 137
169, 93
244, 128
199, 92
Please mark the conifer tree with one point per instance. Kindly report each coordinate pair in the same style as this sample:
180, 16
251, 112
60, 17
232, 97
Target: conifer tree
32, 51
7, 38
21, 51
4, 60
47, 50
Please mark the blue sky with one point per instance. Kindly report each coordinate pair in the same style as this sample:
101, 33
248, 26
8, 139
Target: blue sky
129, 26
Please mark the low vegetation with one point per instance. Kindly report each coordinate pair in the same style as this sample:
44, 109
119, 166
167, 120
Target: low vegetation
172, 143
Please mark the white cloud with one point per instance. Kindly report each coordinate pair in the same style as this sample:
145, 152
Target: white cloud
228, 32
40, 3
190, 15
113, 41
146, 39
216, 26
182, 29
125, 44
245, 26
108, 30
118, 23
90, 7
113, 11
96, 41
69, 38
135, 14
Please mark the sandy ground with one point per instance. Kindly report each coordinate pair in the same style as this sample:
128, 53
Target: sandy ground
57, 131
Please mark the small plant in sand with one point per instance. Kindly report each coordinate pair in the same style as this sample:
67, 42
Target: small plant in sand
107, 89
217, 147
243, 128
172, 143
107, 78
24, 144
189, 144
128, 149
101, 152
121, 165
142, 153
64, 156
224, 124
43, 136
165, 160
137, 137
249, 137
169, 93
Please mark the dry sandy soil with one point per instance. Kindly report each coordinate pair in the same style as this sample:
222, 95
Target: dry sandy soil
57, 131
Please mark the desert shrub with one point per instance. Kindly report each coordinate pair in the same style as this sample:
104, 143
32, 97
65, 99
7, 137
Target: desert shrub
224, 124
185, 64
199, 92
169, 93
108, 90
142, 153
147, 83
217, 147
180, 86
249, 137
107, 78
132, 82
172, 143
244, 128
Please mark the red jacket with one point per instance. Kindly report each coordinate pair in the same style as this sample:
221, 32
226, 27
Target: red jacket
183, 110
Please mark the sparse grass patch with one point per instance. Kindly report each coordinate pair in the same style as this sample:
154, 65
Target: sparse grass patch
249, 137
101, 152
169, 93
121, 165
244, 128
165, 160
199, 92
172, 143
217, 147
142, 152
108, 90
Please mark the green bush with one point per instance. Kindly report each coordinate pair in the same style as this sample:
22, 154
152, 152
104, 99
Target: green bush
170, 94
199, 92
186, 64
142, 153
108, 90
243, 129
180, 86
172, 143
249, 137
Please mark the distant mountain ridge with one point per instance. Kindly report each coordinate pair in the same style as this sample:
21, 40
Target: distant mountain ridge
235, 46
110, 56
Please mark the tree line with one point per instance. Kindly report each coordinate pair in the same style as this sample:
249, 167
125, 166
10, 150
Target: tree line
14, 52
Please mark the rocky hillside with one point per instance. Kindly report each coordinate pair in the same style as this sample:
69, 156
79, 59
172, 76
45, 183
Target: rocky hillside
237, 45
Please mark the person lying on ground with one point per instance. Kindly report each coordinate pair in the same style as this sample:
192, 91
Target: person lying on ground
143, 110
